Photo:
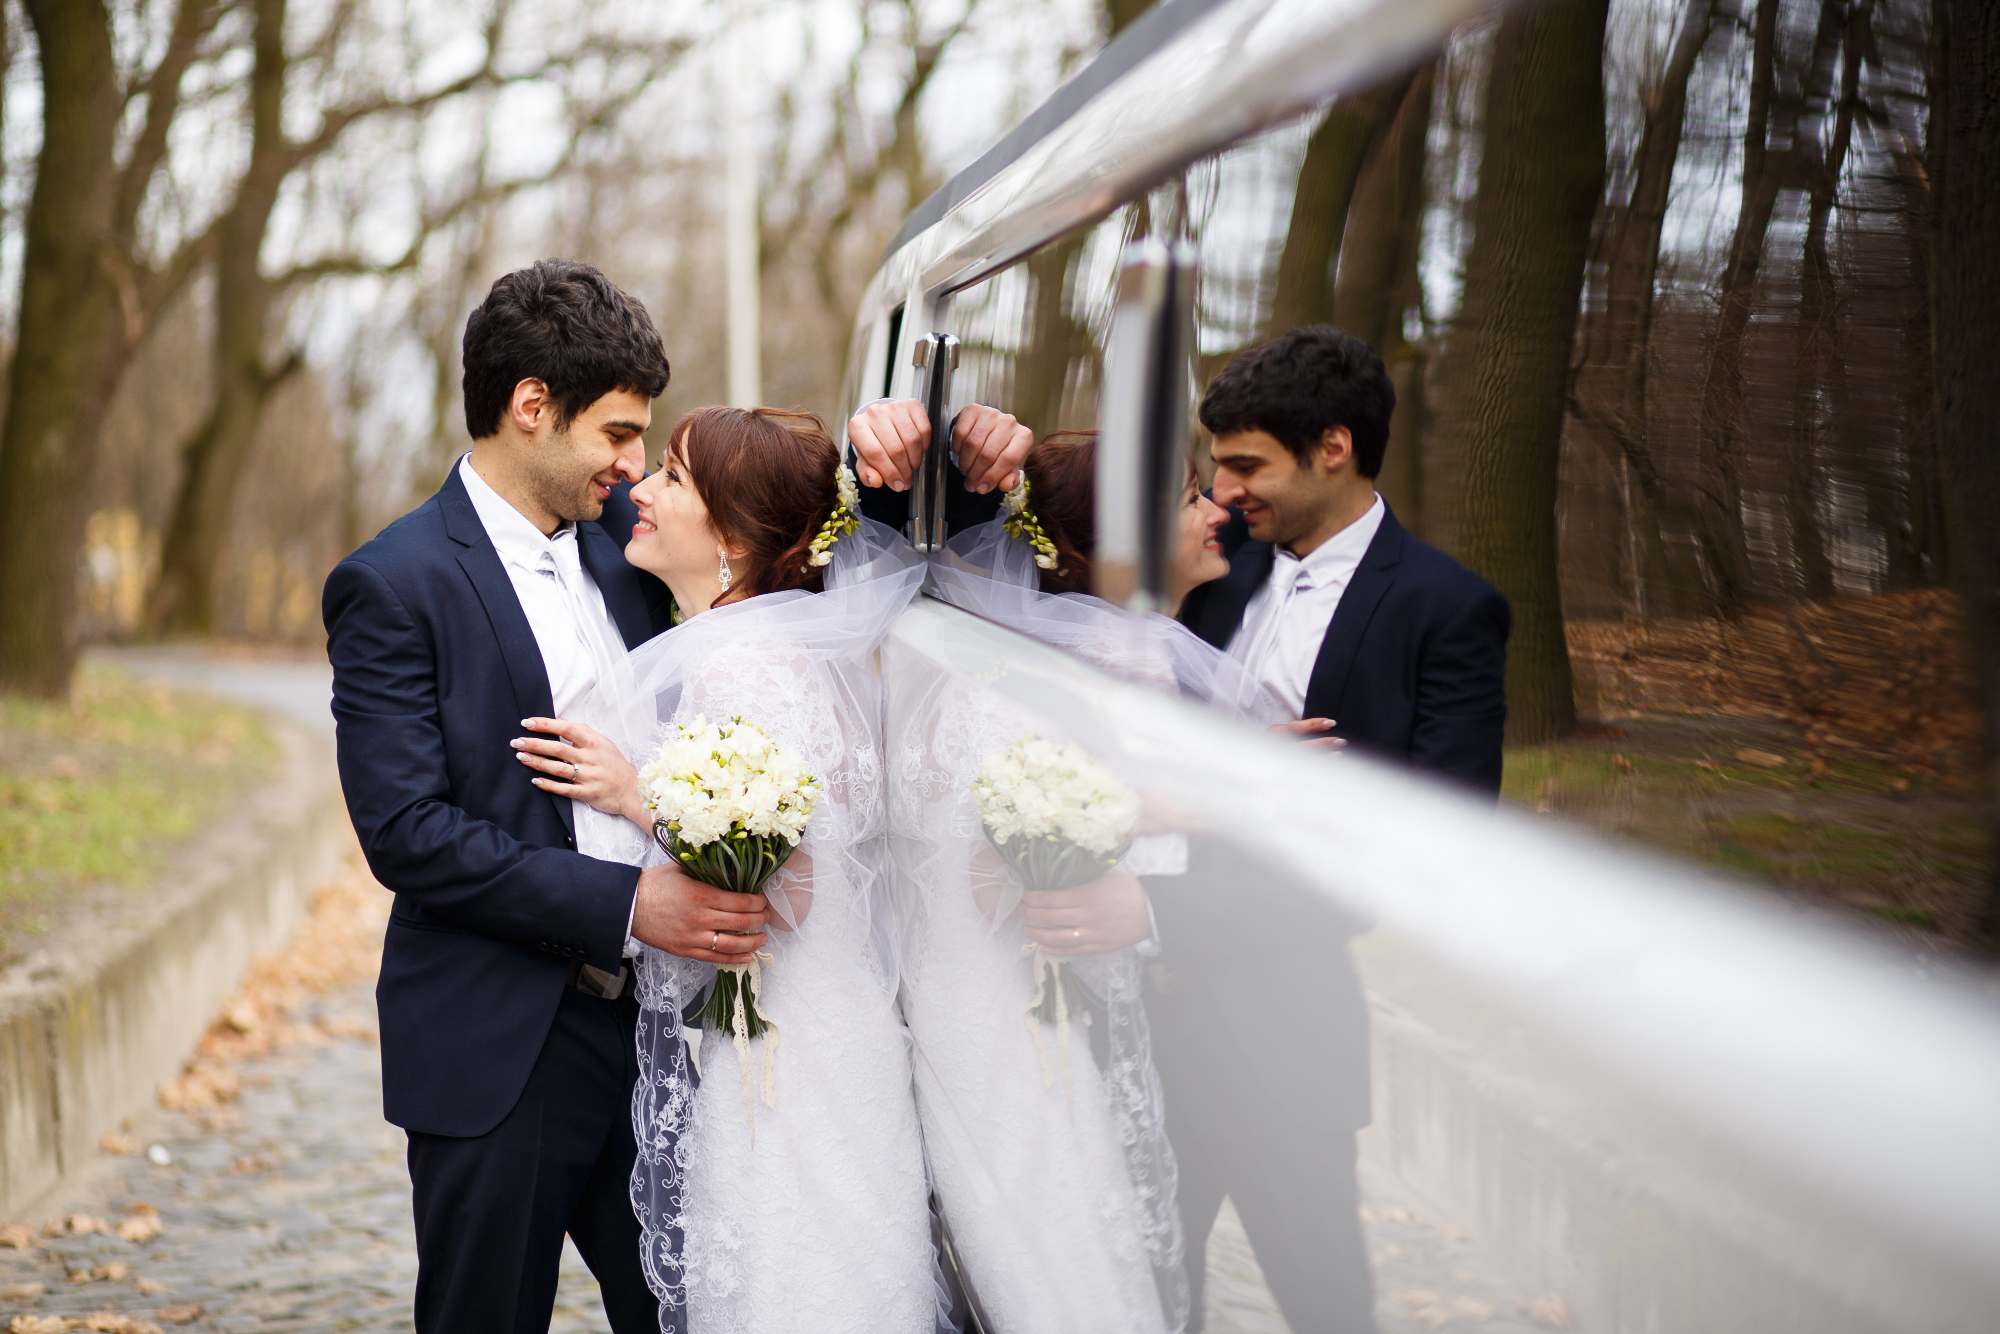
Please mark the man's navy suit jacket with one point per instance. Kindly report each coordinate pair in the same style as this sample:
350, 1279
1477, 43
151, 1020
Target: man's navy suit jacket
1414, 662
434, 667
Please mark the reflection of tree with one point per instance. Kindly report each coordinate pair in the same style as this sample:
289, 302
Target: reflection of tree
1540, 176
1965, 310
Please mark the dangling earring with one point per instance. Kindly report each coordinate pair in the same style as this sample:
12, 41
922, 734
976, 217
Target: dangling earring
722, 574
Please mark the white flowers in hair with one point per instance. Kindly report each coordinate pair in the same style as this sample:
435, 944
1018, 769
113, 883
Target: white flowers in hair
710, 780
844, 519
1042, 789
1019, 521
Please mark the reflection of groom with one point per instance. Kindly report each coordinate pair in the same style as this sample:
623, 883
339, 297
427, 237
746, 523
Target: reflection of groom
506, 1007
1400, 652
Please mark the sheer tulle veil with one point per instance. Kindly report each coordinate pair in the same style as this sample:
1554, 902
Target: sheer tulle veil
825, 642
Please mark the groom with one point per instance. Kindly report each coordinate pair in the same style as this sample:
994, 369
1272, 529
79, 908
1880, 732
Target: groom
1398, 651
506, 1003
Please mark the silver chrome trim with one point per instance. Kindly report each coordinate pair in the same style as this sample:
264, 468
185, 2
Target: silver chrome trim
1243, 67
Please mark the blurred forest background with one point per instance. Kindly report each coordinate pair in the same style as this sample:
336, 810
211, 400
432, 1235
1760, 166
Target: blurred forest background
1686, 301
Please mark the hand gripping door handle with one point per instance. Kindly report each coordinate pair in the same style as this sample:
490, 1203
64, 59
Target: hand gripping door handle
935, 358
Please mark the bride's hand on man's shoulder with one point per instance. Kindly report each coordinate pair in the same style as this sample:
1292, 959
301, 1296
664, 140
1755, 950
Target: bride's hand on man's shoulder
890, 436
582, 764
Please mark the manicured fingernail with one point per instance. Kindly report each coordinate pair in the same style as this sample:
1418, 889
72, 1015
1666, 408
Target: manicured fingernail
517, 742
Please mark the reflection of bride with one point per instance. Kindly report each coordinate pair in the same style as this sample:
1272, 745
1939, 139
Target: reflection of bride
1058, 1195
807, 1214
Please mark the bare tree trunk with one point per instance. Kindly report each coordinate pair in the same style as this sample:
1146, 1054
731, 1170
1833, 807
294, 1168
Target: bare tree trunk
1719, 444
1842, 28
1965, 308
214, 458
68, 317
1376, 282
1615, 379
1918, 556
1352, 127
1540, 181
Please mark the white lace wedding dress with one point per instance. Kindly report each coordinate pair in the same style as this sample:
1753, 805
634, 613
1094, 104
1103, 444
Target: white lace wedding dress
810, 1215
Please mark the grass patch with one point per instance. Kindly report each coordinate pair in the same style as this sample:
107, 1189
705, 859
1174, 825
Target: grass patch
98, 789
1891, 845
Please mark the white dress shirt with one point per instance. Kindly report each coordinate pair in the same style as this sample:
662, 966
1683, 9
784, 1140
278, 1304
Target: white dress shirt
1286, 620
565, 609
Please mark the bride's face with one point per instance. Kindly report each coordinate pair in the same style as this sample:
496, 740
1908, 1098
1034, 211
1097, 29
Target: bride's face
673, 537
1198, 555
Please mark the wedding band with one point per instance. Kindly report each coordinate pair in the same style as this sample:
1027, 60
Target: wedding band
573, 771
714, 942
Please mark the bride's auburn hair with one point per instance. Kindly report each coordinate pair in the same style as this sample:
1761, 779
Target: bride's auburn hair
766, 477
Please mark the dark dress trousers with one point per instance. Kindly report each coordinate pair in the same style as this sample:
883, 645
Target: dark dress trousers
1412, 668
514, 1086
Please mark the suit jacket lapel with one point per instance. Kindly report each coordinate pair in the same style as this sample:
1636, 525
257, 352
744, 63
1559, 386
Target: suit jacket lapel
1221, 612
1350, 619
520, 655
624, 597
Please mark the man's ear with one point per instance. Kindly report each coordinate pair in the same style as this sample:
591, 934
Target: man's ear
528, 406
1336, 449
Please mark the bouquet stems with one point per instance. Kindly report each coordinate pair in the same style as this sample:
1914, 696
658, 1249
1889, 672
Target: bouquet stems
742, 864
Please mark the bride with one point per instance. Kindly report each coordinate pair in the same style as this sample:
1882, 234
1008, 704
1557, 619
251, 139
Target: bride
797, 1204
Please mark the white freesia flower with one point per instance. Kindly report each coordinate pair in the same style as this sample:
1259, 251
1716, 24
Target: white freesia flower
709, 780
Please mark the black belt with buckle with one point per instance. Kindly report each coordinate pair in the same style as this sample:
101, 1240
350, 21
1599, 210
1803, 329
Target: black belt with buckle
596, 982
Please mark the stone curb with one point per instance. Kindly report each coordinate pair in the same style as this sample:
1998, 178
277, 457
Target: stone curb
93, 1023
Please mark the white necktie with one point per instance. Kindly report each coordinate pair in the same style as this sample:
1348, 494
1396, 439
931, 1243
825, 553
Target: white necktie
563, 561
1288, 579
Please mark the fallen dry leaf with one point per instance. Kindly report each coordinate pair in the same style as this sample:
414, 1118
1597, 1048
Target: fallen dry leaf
180, 1315
38, 1324
143, 1227
1435, 1310
202, 1084
149, 1287
21, 1292
1549, 1312
105, 1322
16, 1237
122, 1145
114, 1272
82, 1225
1763, 759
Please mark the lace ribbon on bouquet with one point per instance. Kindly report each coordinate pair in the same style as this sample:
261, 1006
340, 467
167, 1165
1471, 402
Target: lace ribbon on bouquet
1048, 972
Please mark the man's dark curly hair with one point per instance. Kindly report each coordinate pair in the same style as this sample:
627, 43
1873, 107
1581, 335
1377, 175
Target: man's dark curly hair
1300, 385
563, 323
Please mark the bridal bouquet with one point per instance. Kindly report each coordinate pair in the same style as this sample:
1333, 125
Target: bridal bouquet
729, 806
1058, 819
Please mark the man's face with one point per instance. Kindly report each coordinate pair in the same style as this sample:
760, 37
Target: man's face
1283, 499
576, 466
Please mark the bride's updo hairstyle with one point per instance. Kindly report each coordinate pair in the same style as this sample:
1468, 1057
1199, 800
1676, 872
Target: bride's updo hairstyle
1062, 491
766, 476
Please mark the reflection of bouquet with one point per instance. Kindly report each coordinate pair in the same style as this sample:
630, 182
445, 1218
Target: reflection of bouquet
1059, 819
729, 806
